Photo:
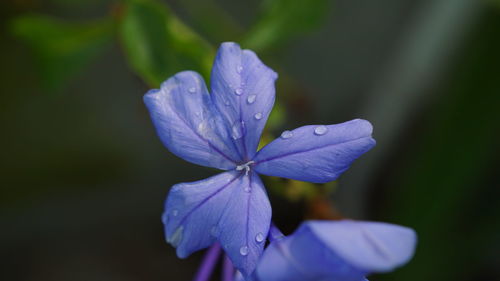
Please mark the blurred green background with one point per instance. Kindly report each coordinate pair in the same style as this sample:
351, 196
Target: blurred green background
84, 176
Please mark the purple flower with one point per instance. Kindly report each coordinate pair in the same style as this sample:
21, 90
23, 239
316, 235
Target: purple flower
336, 250
222, 130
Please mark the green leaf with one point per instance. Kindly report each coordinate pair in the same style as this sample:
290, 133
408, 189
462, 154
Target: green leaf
157, 44
61, 49
282, 20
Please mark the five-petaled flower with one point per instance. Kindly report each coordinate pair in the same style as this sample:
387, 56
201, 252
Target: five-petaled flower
222, 130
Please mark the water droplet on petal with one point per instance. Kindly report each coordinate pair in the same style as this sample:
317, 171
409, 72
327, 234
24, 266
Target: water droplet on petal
244, 250
203, 127
247, 189
238, 91
192, 90
175, 212
320, 130
251, 99
237, 130
258, 116
259, 237
239, 69
176, 238
286, 134
214, 231
227, 103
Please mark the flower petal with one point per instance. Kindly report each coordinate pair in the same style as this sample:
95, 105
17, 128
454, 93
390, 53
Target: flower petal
336, 250
245, 223
188, 124
301, 257
238, 276
243, 92
277, 265
369, 246
315, 153
193, 210
231, 208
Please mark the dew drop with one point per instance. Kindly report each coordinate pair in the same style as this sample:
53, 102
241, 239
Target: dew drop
175, 212
214, 231
203, 127
176, 238
227, 103
244, 250
238, 91
239, 69
237, 130
192, 90
286, 134
251, 99
320, 130
247, 189
259, 237
258, 116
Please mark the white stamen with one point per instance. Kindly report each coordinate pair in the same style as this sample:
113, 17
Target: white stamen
245, 166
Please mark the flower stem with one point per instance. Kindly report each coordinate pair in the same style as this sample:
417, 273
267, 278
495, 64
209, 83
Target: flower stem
227, 269
208, 263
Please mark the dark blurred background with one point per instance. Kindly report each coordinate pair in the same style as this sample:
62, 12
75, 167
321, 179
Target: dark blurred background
84, 177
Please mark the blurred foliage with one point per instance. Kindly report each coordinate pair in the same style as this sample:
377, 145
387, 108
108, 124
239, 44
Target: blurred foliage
294, 190
276, 118
210, 19
157, 44
497, 2
282, 20
441, 197
74, 3
61, 49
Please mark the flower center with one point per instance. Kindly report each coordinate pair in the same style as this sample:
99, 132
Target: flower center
245, 167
